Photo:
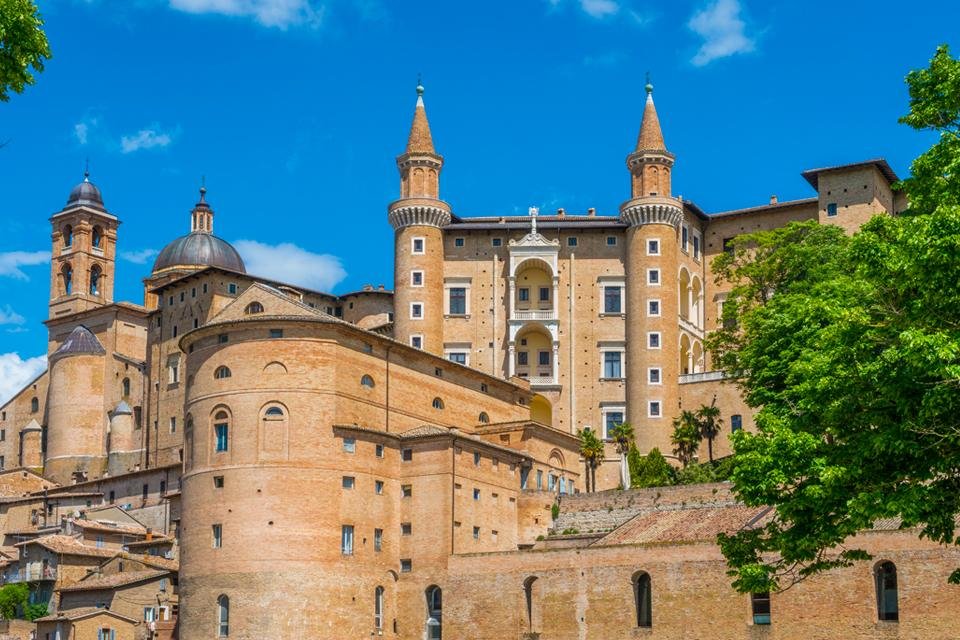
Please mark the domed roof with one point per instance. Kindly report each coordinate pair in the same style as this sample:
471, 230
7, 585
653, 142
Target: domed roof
81, 341
85, 193
199, 249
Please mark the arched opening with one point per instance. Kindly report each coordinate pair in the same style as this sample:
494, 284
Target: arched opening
378, 609
223, 616
125, 387
534, 286
97, 237
253, 307
438, 403
696, 302
67, 236
685, 353
34, 405
66, 278
683, 294
697, 357
367, 381
95, 274
434, 613
273, 434
643, 599
531, 604
541, 410
483, 418
221, 431
222, 372
534, 354
418, 182
275, 367
885, 577
653, 184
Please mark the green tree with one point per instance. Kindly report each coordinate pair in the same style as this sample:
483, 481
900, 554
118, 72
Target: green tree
592, 452
854, 365
709, 424
686, 437
657, 472
23, 45
635, 461
622, 436
13, 597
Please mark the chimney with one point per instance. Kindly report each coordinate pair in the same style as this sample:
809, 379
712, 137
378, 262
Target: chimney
591, 212
380, 287
561, 212
149, 534
368, 287
773, 199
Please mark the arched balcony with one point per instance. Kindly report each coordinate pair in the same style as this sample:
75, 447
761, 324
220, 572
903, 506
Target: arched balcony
533, 354
690, 299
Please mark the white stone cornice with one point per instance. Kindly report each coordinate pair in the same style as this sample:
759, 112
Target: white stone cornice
652, 210
421, 212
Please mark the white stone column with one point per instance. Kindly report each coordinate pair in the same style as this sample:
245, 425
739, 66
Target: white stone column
512, 358
556, 362
511, 301
556, 297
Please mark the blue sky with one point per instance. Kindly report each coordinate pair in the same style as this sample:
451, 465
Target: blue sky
295, 109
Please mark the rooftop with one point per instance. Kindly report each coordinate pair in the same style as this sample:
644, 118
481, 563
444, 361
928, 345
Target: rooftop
97, 583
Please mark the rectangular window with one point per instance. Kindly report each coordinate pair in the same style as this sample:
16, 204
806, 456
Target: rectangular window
612, 361
611, 241
610, 420
417, 246
406, 529
551, 482
684, 235
736, 422
653, 408
476, 458
378, 487
653, 277
379, 450
232, 288
653, 308
523, 294
460, 357
348, 482
406, 490
571, 241
217, 536
458, 301
406, 566
476, 494
496, 242
222, 434
350, 445
276, 333
653, 375
113, 496
416, 310
612, 299
146, 491
406, 455
653, 247
458, 242
760, 607
218, 482
223, 338
99, 543
378, 539
204, 287
416, 341
3, 435
522, 358
539, 480
728, 246
346, 539
696, 246
416, 278
653, 340
476, 533
543, 358
831, 209
544, 294
173, 424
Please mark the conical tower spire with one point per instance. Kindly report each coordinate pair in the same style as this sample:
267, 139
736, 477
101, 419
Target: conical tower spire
651, 137
420, 140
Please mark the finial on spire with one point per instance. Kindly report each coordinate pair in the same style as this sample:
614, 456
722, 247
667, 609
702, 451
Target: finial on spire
533, 212
86, 171
419, 85
649, 86
203, 188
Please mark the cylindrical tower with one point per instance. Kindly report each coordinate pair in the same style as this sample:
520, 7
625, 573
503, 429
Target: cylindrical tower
418, 218
124, 447
31, 451
76, 420
652, 259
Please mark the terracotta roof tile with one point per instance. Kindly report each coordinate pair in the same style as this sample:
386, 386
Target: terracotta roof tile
97, 583
67, 545
685, 524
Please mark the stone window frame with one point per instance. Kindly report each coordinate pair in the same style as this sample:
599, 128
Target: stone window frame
613, 347
659, 371
413, 246
659, 312
659, 340
416, 304
657, 280
654, 404
464, 283
610, 407
659, 246
413, 281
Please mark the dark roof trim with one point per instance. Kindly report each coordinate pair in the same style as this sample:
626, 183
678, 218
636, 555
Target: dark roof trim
764, 208
813, 175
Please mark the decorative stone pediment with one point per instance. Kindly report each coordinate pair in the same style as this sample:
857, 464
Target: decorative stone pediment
533, 239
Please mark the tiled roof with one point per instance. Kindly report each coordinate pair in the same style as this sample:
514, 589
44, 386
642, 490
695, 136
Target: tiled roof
424, 430
151, 561
83, 612
685, 524
67, 545
110, 527
80, 341
116, 580
148, 543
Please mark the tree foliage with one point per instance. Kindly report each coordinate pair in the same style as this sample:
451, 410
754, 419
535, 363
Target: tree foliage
655, 471
13, 598
622, 436
709, 424
849, 347
23, 46
592, 452
686, 437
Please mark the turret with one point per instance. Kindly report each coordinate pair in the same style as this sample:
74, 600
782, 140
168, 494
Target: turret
123, 452
418, 218
652, 249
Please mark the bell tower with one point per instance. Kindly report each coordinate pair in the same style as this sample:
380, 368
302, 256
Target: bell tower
83, 254
418, 218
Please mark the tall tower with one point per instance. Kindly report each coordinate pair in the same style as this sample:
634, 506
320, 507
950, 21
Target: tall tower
84, 251
418, 218
652, 248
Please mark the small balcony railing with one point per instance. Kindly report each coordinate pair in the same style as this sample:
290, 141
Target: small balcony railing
706, 376
541, 315
33, 574
541, 381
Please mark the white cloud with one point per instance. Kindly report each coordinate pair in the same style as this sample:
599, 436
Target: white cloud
280, 14
139, 257
599, 8
80, 131
11, 261
722, 30
145, 139
287, 262
9, 316
16, 372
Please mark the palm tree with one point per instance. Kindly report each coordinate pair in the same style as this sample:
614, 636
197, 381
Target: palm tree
710, 423
686, 437
622, 436
591, 449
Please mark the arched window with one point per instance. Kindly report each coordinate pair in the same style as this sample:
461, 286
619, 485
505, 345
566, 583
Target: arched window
66, 273
367, 381
437, 403
643, 599
223, 616
530, 604
222, 372
34, 405
95, 274
885, 576
253, 307
378, 609
125, 387
97, 237
67, 236
274, 412
484, 418
221, 430
434, 613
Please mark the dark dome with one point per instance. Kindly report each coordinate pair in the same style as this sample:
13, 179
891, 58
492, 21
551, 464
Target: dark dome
86, 193
199, 249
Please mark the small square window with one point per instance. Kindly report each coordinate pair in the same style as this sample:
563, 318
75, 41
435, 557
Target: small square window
653, 408
416, 310
416, 278
458, 242
653, 375
611, 241
406, 490
543, 358
378, 487
653, 276
218, 482
476, 494
571, 241
831, 209
223, 338
348, 482
496, 242
406, 529
653, 307
523, 294
653, 340
417, 246
406, 566
416, 342
350, 445
406, 455
232, 288
653, 247
276, 333
379, 449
